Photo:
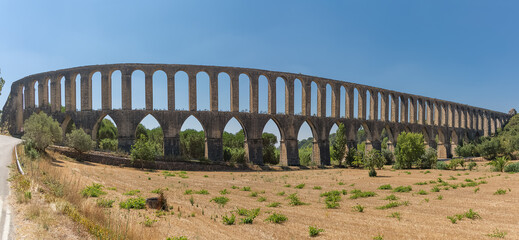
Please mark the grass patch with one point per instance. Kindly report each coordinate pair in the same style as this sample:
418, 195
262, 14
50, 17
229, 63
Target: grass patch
500, 192
314, 231
391, 197
421, 183
106, 203
224, 191
358, 208
422, 192
132, 192
274, 204
395, 215
385, 187
133, 203
253, 194
220, 200
262, 199
300, 186
360, 194
497, 234
403, 189
202, 192
317, 188
229, 220
294, 200
393, 204
246, 189
281, 193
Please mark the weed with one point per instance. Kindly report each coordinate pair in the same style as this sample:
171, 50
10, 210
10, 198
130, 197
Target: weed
224, 191
435, 189
93, 191
203, 192
246, 189
378, 237
426, 199
497, 234
133, 203
314, 231
421, 183
385, 187
403, 189
192, 201
276, 218
422, 192
281, 193
452, 178
472, 215
220, 200
206, 176
358, 208
453, 219
262, 199
300, 186
148, 222
188, 192
294, 200
253, 194
391, 197
274, 204
341, 183
106, 203
395, 215
132, 192
158, 191
288, 185
177, 238
440, 197
500, 191
317, 188
393, 204
234, 187
332, 204
229, 220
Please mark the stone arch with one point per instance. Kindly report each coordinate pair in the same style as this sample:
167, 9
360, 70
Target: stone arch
181, 89
263, 94
95, 129
116, 80
149, 138
282, 154
328, 104
306, 157
203, 85
160, 90
224, 94
237, 119
313, 98
298, 97
66, 125
185, 152
244, 86
281, 89
138, 89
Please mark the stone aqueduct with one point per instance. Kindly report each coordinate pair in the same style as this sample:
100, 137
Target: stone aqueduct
448, 122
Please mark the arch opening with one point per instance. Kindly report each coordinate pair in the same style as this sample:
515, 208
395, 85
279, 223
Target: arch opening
181, 91
233, 142
305, 144
280, 95
106, 134
192, 139
78, 92
203, 93
160, 90
224, 93
36, 99
244, 86
116, 79
342, 100
149, 130
313, 100
138, 90
298, 97
62, 104
328, 100
271, 146
263, 96
96, 91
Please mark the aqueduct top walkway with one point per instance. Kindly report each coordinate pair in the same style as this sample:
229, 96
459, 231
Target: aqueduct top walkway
443, 123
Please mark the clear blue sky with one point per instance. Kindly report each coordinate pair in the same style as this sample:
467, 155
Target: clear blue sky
463, 51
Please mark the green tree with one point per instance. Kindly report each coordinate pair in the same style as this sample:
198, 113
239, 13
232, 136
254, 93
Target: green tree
144, 150
192, 144
409, 148
42, 131
339, 145
79, 141
428, 159
157, 136
141, 131
106, 129
489, 148
270, 154
373, 159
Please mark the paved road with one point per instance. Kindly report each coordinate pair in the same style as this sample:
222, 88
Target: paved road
6, 150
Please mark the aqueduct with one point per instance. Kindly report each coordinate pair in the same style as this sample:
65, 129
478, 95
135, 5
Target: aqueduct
443, 123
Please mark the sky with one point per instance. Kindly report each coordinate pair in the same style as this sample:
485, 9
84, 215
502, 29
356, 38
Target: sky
461, 51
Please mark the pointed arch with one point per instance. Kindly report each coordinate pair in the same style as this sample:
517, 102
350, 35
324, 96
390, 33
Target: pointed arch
150, 127
193, 130
271, 137
306, 139
96, 135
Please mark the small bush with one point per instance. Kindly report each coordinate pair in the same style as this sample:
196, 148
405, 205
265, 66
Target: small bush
422, 192
497, 234
372, 173
106, 203
294, 200
403, 189
262, 199
108, 144
421, 183
472, 215
202, 192
385, 187
435, 189
513, 167
148, 222
314, 231
42, 130
274, 204
393, 204
442, 166
229, 220
93, 191
500, 192
247, 189
158, 191
220, 200
317, 188
395, 215
358, 208
282, 193
276, 218
472, 165
391, 197
133, 203
253, 194
300, 186
224, 191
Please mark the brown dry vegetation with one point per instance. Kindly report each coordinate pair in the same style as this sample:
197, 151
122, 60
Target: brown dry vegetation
424, 218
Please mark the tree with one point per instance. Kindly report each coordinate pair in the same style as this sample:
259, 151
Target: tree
42, 131
270, 154
192, 143
339, 145
141, 131
2, 82
489, 148
409, 148
428, 159
144, 150
373, 159
80, 141
106, 130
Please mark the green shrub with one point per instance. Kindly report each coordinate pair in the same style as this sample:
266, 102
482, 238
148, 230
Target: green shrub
202, 192
220, 200
388, 156
499, 164
403, 189
314, 231
466, 150
409, 149
300, 186
385, 187
224, 191
422, 192
358, 208
500, 192
144, 150
373, 159
497, 234
435, 189
489, 148
274, 204
472, 165
513, 167
132, 192
372, 173
80, 141
428, 159
95, 190
229, 220
106, 203
393, 204
391, 197
108, 144
247, 189
42, 131
442, 166
276, 218
133, 203
317, 188
395, 215
361, 194
177, 238
294, 200
472, 215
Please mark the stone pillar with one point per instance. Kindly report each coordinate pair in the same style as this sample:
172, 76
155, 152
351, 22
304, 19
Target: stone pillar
172, 146
373, 103
289, 152
57, 95
235, 92
445, 115
125, 143
492, 125
171, 91
148, 89
321, 100
192, 91
321, 152
86, 92
443, 150
254, 151
373, 144
289, 96
306, 97
456, 111
470, 119
486, 125
41, 102
430, 109
384, 111
18, 104
53, 95
106, 90
70, 93
126, 89
394, 107
480, 121
349, 103
463, 118
254, 92
403, 109
450, 117
421, 111
213, 90
272, 95
362, 103
214, 149
27, 95
44, 94
437, 114
412, 110
336, 103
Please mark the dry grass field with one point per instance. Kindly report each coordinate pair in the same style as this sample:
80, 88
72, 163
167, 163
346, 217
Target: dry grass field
197, 217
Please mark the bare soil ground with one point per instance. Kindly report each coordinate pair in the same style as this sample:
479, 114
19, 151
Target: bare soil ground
424, 218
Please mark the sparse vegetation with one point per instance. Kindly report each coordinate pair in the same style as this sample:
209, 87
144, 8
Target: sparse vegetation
276, 218
133, 203
403, 189
95, 190
220, 200
314, 231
